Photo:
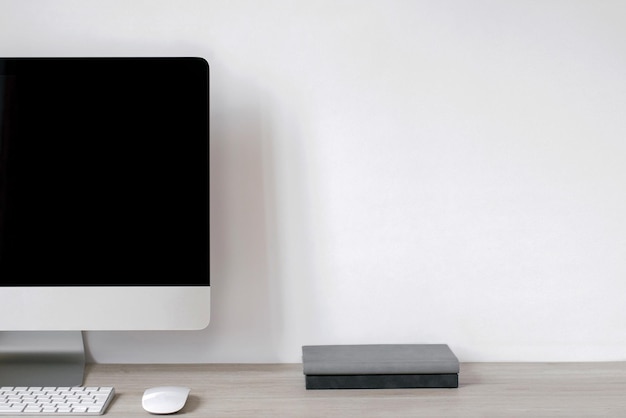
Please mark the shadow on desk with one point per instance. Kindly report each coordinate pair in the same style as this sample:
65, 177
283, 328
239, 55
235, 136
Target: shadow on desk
191, 406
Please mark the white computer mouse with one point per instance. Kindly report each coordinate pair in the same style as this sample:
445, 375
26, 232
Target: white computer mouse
164, 399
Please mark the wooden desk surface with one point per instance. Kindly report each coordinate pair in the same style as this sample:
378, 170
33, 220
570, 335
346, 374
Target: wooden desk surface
277, 390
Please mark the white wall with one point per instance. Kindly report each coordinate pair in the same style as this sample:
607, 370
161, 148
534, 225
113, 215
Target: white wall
390, 171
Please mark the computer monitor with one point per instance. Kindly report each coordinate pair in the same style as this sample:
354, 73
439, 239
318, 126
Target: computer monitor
104, 194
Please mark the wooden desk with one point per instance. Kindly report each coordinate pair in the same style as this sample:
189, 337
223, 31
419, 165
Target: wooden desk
277, 390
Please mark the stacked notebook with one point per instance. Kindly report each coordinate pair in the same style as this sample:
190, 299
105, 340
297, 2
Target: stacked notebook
380, 366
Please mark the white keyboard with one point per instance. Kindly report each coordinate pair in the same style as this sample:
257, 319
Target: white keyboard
22, 401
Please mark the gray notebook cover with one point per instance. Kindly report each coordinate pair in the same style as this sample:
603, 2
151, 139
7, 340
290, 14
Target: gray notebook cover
378, 359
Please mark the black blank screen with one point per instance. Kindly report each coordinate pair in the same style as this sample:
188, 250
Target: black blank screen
104, 172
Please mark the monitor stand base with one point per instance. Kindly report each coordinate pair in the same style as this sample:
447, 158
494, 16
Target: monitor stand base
42, 358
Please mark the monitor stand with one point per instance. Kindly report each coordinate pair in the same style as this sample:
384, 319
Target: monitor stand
42, 358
